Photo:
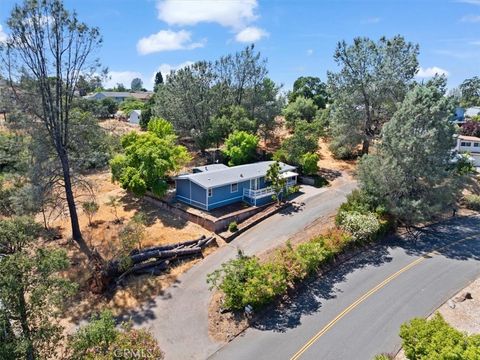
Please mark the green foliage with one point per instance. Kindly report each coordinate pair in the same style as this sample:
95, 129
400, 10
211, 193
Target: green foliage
240, 148
90, 208
374, 77
13, 152
130, 104
409, 174
277, 182
90, 147
300, 109
233, 118
101, 340
384, 357
147, 113
435, 339
32, 292
197, 94
232, 227
136, 84
472, 202
470, 92
246, 281
309, 163
304, 140
148, 159
312, 88
362, 226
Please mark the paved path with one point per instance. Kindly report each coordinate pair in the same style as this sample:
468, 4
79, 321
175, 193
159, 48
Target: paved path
345, 315
179, 317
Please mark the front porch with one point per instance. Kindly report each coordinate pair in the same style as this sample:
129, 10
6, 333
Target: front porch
263, 196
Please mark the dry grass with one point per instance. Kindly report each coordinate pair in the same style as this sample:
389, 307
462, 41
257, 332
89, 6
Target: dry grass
161, 228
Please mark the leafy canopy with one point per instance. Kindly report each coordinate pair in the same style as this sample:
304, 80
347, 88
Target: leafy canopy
148, 159
240, 147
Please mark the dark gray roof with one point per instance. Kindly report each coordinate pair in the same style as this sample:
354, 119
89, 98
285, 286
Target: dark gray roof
234, 174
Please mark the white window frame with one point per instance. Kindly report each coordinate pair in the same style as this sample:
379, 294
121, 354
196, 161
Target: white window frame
231, 187
476, 144
465, 144
210, 192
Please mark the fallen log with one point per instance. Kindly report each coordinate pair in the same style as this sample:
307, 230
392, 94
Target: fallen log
168, 247
166, 254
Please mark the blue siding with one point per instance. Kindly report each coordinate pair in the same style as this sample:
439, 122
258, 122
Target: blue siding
222, 195
198, 194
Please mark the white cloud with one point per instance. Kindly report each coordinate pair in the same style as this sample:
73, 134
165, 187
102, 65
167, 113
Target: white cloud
310, 52
121, 77
3, 35
251, 34
431, 71
167, 40
470, 18
234, 14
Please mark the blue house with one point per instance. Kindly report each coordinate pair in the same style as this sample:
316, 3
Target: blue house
212, 186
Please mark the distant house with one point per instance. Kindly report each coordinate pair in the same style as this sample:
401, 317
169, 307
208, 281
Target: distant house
217, 185
459, 116
471, 112
120, 96
469, 145
135, 116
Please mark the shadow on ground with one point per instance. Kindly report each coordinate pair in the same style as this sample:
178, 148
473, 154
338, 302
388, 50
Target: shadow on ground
310, 297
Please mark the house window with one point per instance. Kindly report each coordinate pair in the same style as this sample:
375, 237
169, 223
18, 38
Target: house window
476, 144
464, 143
210, 192
234, 188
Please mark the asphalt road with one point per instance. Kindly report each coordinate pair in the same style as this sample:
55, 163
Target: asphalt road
347, 315
179, 317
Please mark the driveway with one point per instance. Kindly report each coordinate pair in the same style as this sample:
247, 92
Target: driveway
356, 310
179, 317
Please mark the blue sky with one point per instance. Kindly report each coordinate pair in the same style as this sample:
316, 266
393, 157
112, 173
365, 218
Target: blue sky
297, 37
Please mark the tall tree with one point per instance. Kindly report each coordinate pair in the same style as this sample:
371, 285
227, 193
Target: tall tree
470, 92
310, 87
52, 49
410, 173
158, 80
136, 84
31, 292
373, 79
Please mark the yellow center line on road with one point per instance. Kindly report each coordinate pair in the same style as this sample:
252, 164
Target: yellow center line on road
369, 293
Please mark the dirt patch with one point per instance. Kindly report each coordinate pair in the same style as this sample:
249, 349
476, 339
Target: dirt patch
462, 315
118, 127
224, 327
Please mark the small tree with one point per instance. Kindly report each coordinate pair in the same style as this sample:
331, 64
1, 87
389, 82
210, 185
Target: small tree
90, 208
300, 109
309, 163
148, 159
304, 140
114, 203
240, 147
278, 183
100, 339
136, 84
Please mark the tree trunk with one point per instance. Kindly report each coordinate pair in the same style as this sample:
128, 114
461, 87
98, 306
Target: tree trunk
24, 324
365, 146
76, 232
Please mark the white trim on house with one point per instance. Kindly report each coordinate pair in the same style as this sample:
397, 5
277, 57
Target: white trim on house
193, 201
219, 202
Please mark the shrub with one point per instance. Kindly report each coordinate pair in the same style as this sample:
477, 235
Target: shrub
232, 227
320, 181
309, 163
363, 227
472, 202
436, 339
384, 357
245, 281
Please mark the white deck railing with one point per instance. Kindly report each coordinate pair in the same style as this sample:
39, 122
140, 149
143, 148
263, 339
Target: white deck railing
255, 194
